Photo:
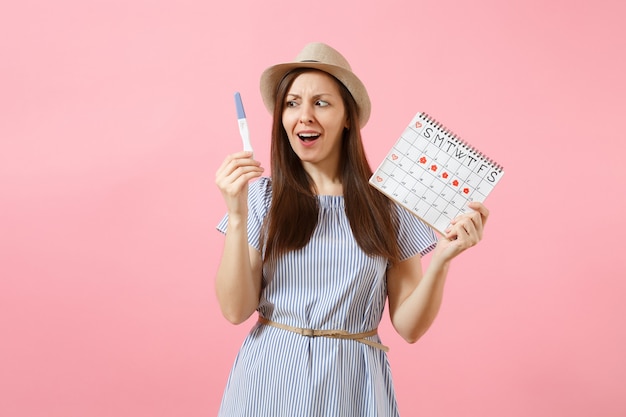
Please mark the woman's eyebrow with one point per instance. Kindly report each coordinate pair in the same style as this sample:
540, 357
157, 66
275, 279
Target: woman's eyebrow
316, 96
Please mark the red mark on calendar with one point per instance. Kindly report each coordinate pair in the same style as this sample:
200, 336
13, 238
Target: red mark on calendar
455, 183
394, 156
445, 175
418, 124
433, 167
378, 178
466, 190
423, 160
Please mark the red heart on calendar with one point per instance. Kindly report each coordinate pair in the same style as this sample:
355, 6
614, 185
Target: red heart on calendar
379, 179
423, 160
433, 167
394, 156
455, 183
466, 190
418, 125
444, 175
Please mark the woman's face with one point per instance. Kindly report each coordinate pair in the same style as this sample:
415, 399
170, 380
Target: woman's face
314, 118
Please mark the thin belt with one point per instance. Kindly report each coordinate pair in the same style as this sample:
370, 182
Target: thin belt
333, 334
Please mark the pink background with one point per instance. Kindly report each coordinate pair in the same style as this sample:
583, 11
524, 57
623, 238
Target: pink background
114, 116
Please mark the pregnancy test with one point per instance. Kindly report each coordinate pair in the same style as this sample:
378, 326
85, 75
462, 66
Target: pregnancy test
243, 123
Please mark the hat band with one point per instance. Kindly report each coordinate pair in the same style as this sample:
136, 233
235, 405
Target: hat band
309, 60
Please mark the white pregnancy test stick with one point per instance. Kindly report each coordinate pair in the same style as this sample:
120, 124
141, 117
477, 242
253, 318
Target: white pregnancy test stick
243, 123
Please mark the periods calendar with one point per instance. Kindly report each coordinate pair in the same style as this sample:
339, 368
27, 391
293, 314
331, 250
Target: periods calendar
434, 173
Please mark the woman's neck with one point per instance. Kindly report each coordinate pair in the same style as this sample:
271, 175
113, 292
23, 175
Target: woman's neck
327, 182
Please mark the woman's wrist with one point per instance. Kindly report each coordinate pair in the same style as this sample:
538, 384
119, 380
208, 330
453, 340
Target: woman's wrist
237, 220
439, 262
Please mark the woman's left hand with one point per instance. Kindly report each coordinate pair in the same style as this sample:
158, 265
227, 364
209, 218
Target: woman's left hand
464, 232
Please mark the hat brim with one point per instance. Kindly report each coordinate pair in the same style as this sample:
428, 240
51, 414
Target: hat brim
274, 74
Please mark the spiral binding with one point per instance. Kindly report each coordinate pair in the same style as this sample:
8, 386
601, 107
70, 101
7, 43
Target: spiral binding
469, 147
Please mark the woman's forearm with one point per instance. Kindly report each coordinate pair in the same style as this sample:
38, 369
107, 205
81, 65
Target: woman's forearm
414, 316
238, 281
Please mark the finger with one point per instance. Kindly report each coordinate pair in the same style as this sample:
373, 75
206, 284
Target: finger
477, 221
234, 161
236, 170
241, 154
456, 229
235, 181
466, 233
480, 208
450, 233
235, 156
470, 228
474, 231
230, 157
473, 215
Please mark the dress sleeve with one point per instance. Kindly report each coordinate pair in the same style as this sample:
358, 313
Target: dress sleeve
259, 197
414, 236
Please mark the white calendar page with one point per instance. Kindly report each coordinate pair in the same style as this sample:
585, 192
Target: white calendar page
434, 174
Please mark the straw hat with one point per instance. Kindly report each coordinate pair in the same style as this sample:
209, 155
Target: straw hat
322, 57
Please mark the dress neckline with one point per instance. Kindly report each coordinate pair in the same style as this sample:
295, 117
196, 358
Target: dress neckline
326, 200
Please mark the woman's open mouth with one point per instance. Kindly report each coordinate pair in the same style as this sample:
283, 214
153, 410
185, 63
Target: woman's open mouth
308, 137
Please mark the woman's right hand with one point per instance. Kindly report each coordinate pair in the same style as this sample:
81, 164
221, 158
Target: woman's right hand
238, 279
232, 178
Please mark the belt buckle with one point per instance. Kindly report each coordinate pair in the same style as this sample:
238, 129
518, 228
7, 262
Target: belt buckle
307, 332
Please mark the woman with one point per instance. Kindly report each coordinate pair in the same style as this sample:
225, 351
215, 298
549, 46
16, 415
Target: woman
317, 251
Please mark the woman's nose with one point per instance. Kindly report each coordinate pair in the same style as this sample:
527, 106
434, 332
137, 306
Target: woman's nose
306, 114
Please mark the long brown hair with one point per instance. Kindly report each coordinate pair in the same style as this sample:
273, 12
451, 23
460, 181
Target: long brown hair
294, 209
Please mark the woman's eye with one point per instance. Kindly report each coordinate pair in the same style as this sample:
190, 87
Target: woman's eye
321, 103
290, 103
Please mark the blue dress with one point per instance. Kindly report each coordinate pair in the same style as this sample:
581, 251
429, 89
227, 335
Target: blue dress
329, 284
